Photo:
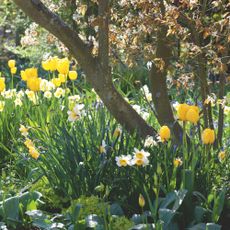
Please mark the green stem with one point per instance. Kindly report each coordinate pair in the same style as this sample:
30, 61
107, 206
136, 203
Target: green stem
166, 168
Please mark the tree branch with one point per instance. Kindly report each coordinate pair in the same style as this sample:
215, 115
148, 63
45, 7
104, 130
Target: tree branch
39, 13
103, 8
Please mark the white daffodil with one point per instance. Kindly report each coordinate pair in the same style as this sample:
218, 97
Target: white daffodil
149, 142
140, 161
47, 94
76, 113
123, 160
18, 102
102, 148
140, 153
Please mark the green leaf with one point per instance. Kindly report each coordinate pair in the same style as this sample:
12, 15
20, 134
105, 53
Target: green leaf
212, 226
218, 205
166, 215
115, 209
11, 208
199, 213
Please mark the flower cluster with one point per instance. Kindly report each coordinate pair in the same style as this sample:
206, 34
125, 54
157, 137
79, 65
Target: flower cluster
13, 68
188, 113
33, 152
139, 158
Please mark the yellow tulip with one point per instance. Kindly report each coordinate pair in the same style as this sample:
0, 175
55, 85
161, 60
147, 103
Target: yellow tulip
31, 73
23, 75
2, 84
11, 63
13, 70
34, 84
182, 110
141, 201
164, 133
62, 78
208, 136
73, 75
192, 115
56, 82
63, 66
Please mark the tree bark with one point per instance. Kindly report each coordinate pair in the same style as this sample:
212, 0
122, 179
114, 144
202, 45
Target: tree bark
159, 87
97, 73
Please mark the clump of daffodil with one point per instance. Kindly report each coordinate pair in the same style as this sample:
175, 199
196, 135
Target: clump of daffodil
222, 156
2, 84
29, 143
140, 157
46, 85
208, 136
164, 133
188, 113
33, 152
177, 162
123, 161
8, 94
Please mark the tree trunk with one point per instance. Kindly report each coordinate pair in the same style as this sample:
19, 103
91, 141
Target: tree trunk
159, 88
97, 73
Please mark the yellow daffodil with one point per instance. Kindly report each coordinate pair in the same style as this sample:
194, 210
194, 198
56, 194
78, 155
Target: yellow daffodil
23, 130
222, 156
177, 162
28, 143
34, 153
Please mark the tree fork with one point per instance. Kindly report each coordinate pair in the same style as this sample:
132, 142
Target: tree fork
97, 73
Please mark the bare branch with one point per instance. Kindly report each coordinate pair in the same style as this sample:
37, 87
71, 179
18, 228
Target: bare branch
38, 12
104, 13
